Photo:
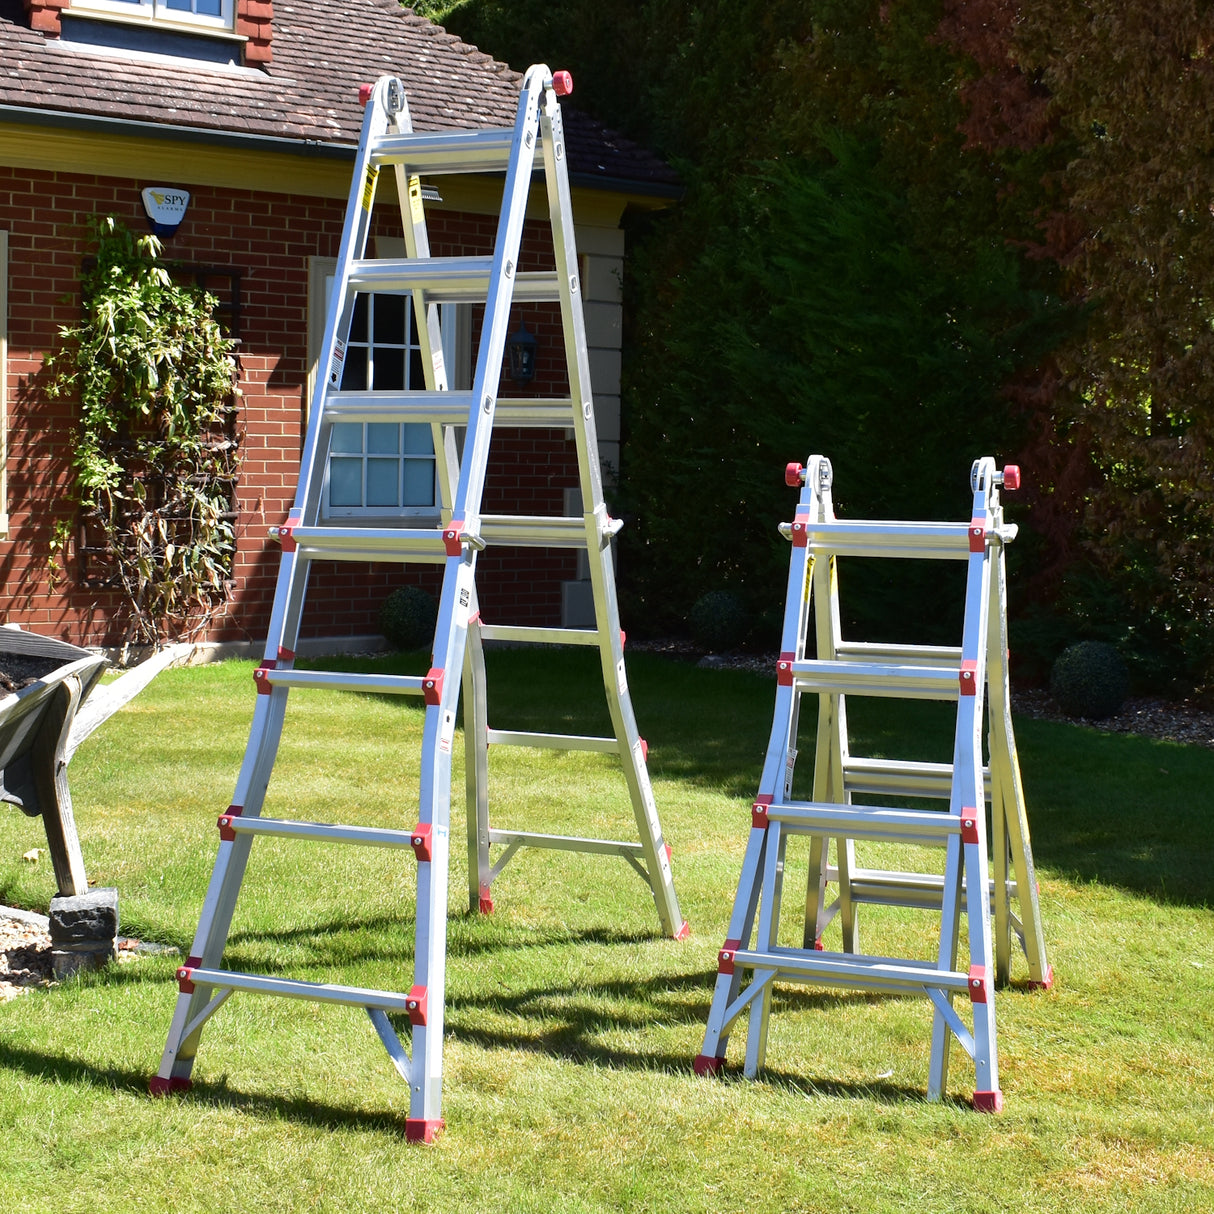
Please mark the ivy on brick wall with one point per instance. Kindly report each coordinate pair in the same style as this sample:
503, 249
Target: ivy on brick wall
156, 451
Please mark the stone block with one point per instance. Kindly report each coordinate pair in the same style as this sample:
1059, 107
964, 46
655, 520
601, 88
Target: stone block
85, 919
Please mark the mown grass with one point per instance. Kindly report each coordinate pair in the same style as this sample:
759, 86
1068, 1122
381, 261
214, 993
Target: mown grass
571, 1023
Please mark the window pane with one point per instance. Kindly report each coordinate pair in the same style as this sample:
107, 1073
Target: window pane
419, 482
208, 8
182, 6
417, 374
345, 482
417, 439
389, 369
383, 438
382, 477
347, 438
354, 373
358, 321
391, 324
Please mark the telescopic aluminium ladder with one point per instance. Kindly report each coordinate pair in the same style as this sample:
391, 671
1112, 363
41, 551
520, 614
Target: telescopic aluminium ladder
461, 425
839, 669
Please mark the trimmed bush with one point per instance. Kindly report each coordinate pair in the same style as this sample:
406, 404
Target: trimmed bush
718, 620
407, 618
1090, 680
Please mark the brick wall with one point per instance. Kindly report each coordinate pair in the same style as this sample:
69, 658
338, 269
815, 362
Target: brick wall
269, 238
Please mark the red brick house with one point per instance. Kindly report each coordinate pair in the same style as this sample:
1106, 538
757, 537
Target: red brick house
252, 108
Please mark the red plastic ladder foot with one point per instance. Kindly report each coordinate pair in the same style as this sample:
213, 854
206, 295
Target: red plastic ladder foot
159, 1086
1046, 982
684, 931
707, 1064
988, 1102
423, 1129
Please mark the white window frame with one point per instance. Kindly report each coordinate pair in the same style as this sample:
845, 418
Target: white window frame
157, 12
3, 384
454, 321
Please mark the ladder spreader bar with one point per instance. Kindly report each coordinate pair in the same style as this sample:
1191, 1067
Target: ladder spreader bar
337, 680
877, 679
865, 822
902, 778
917, 655
293, 988
852, 971
919, 891
329, 832
444, 152
552, 741
524, 838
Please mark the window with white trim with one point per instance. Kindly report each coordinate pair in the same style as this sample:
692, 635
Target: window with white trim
205, 14
380, 469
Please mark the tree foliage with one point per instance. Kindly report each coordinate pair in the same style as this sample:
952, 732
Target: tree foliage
156, 450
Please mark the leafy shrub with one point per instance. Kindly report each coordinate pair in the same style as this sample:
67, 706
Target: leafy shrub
1089, 680
719, 620
407, 618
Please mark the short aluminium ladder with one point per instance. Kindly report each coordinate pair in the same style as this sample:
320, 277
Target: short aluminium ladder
535, 144
964, 675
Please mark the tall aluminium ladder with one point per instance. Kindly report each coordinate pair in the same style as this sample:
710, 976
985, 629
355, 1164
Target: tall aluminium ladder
388, 140
840, 669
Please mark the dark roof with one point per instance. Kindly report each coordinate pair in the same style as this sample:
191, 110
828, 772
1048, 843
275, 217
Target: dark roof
322, 50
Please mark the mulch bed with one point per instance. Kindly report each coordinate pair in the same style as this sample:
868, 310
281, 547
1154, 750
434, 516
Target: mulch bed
19, 670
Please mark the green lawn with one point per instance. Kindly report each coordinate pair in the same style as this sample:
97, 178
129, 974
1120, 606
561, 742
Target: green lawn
571, 1023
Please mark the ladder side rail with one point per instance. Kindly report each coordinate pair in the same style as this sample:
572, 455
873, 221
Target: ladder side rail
385, 96
486, 379
969, 858
1008, 788
476, 770
597, 527
425, 312
776, 778
766, 942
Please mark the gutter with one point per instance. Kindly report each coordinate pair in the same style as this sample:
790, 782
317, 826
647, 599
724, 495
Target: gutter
64, 120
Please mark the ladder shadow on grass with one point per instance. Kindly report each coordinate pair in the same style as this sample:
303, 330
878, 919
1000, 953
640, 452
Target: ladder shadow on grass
54, 1069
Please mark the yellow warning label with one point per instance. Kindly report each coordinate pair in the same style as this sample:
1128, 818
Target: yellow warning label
809, 577
369, 187
416, 210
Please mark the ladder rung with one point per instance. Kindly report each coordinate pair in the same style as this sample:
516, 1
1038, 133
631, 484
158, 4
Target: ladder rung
912, 655
524, 634
878, 679
320, 992
919, 891
336, 680
443, 408
852, 971
921, 541
526, 838
334, 543
552, 741
932, 827
446, 151
548, 413
325, 832
894, 778
449, 279
533, 531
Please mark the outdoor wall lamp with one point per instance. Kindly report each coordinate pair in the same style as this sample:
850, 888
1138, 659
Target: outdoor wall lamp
521, 348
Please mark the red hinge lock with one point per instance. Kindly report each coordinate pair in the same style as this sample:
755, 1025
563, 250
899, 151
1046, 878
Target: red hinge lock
784, 669
415, 1004
758, 812
969, 826
226, 833
432, 685
800, 531
421, 843
977, 984
725, 956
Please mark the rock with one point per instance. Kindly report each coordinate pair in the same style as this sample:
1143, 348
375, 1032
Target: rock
85, 918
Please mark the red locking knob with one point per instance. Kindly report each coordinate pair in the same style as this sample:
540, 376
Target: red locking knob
364, 93
562, 84
793, 474
1011, 477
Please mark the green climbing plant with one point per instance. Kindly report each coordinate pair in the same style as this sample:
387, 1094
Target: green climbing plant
156, 450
